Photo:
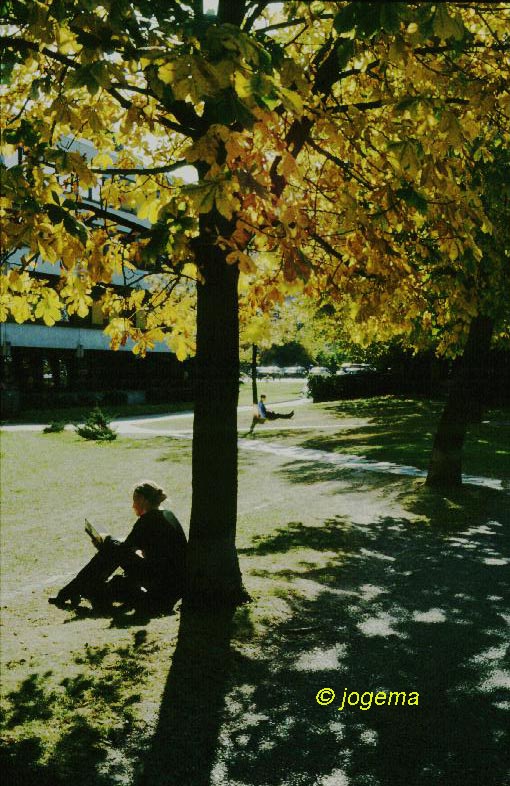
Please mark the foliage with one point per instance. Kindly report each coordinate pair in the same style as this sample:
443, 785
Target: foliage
340, 145
96, 427
55, 427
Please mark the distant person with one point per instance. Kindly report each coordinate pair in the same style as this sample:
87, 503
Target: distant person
153, 557
264, 414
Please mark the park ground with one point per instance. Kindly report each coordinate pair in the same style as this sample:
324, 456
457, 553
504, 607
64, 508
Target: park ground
362, 580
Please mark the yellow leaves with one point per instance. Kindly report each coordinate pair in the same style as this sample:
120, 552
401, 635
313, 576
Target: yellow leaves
219, 193
102, 160
225, 199
206, 147
291, 101
257, 331
181, 344
66, 41
76, 295
18, 282
451, 247
147, 340
136, 298
48, 307
20, 309
202, 195
404, 157
288, 166
76, 163
18, 293
150, 208
195, 77
245, 262
119, 330
450, 127
47, 239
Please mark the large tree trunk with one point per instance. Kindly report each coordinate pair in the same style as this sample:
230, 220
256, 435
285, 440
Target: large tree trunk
254, 394
214, 576
463, 406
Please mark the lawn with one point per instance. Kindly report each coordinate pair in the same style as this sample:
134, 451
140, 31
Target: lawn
360, 581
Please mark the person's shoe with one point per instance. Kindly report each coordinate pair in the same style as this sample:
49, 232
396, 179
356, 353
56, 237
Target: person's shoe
291, 414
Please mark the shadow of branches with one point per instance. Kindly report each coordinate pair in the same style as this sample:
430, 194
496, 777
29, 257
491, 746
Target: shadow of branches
34, 753
407, 606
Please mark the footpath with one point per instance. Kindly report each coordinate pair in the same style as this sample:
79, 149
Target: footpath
180, 426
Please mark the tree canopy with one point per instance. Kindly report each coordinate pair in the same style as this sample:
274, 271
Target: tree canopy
343, 144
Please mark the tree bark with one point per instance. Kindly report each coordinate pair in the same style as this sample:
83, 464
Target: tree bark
254, 394
214, 577
463, 406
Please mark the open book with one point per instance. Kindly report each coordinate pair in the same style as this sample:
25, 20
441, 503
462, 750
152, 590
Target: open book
93, 534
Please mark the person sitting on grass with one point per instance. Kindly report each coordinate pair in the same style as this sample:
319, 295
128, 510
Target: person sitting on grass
262, 414
153, 557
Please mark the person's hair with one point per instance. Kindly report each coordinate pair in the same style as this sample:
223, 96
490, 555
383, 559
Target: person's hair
263, 395
151, 491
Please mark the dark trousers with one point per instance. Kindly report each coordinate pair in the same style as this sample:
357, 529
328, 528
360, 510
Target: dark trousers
269, 416
277, 416
92, 580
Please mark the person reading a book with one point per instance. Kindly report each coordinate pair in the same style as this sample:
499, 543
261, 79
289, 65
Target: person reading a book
153, 559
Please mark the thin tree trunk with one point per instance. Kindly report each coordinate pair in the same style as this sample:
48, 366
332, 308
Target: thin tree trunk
214, 577
254, 394
463, 406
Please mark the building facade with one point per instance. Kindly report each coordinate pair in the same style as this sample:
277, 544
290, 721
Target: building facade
72, 362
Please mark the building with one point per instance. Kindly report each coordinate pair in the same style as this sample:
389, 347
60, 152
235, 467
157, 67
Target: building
72, 363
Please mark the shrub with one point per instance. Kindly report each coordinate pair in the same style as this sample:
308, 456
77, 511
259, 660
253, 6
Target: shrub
97, 427
55, 427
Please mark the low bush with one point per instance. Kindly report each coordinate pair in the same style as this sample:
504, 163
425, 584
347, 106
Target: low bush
55, 427
97, 427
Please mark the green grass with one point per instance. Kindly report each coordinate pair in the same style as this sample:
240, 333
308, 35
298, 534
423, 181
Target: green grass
397, 430
276, 390
360, 580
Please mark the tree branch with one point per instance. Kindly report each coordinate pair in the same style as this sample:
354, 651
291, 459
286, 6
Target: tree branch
178, 108
155, 170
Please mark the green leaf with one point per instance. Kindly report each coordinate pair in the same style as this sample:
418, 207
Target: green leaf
24, 133
446, 26
92, 76
413, 198
364, 18
344, 52
159, 237
227, 109
56, 214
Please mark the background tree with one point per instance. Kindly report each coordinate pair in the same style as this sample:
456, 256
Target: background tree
326, 137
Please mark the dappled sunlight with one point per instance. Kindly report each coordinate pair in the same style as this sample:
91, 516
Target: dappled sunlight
381, 624
432, 615
320, 659
403, 608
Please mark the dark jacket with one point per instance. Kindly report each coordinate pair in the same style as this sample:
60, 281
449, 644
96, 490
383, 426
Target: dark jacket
161, 539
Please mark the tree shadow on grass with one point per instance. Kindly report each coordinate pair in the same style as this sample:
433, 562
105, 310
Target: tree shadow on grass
402, 431
406, 606
184, 745
57, 732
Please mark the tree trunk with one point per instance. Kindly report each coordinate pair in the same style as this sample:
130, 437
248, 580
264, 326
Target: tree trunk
254, 394
463, 406
214, 577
